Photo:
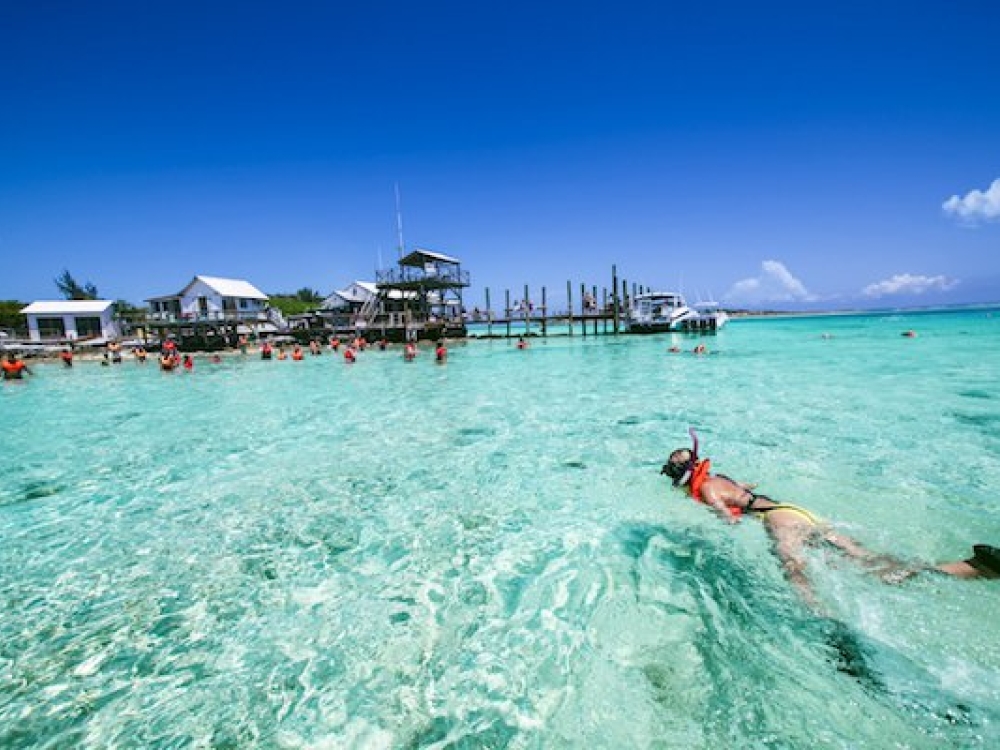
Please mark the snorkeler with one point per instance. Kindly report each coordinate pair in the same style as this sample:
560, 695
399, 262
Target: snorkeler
791, 528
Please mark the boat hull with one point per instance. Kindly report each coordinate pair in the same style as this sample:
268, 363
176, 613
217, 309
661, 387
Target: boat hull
690, 325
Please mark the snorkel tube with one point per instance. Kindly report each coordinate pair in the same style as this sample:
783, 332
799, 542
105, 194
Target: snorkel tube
686, 476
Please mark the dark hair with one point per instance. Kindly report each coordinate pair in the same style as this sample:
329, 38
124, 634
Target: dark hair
677, 464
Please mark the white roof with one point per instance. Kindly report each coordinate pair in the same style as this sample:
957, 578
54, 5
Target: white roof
67, 306
231, 287
349, 296
340, 296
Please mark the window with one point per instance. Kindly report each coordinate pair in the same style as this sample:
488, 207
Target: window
51, 328
88, 327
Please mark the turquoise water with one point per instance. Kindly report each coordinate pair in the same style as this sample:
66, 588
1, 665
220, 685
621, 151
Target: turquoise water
315, 555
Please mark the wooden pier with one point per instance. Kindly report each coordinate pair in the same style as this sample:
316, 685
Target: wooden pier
595, 314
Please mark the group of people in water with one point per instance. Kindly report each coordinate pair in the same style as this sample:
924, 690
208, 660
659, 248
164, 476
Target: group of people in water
13, 366
351, 349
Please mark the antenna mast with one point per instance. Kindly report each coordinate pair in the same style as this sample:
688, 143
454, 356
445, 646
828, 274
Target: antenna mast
399, 222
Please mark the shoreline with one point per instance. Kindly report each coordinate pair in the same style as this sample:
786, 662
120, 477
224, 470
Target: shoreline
44, 353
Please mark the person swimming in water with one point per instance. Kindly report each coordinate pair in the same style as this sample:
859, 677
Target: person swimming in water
14, 367
792, 528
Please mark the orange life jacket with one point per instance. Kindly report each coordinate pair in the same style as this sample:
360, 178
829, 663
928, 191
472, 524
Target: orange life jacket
699, 474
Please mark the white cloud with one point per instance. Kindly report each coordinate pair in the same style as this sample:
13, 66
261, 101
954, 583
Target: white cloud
775, 283
976, 205
905, 283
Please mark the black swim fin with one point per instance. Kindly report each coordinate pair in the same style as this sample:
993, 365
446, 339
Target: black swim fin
986, 559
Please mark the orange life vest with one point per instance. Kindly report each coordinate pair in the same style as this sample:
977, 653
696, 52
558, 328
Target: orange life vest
699, 474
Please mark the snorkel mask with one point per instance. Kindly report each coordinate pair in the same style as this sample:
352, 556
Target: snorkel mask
682, 461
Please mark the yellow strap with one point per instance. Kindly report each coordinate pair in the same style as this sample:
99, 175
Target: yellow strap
794, 509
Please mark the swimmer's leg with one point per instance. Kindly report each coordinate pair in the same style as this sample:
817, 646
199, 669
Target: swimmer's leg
984, 563
789, 541
888, 567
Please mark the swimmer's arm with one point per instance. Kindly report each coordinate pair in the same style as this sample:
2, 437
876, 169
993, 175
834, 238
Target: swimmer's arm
713, 499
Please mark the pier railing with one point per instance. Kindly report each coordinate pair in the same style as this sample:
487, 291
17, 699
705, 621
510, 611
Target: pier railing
215, 316
411, 275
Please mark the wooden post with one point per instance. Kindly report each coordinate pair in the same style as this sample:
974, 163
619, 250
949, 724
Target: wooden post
569, 305
594, 297
507, 302
604, 306
583, 309
614, 297
545, 313
489, 315
527, 312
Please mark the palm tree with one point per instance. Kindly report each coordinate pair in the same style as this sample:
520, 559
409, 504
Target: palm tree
72, 290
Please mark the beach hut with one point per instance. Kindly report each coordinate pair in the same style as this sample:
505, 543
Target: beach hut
352, 297
211, 308
209, 298
71, 320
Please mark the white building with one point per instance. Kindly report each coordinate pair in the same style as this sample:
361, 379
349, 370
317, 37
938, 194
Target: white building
353, 296
71, 319
208, 298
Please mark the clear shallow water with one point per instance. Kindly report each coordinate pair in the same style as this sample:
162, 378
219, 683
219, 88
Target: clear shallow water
306, 555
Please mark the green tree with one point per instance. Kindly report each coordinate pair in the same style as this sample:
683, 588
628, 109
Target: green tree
293, 304
71, 289
10, 315
309, 296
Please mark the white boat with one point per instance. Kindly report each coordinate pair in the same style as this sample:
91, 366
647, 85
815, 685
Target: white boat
660, 312
712, 309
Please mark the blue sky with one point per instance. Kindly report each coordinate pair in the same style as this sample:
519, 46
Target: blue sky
769, 154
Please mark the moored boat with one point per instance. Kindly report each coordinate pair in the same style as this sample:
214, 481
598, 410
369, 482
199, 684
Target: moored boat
661, 312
